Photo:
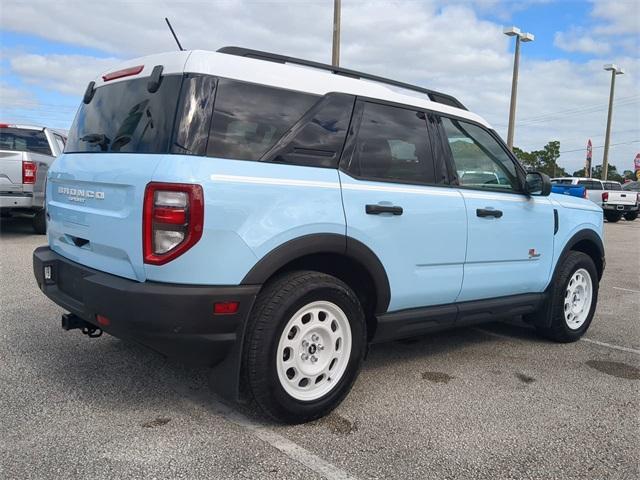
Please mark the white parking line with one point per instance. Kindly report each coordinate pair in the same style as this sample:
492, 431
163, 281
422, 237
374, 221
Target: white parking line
626, 289
277, 441
609, 345
284, 445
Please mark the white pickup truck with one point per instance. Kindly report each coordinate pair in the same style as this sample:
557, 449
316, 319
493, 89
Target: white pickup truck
615, 201
26, 152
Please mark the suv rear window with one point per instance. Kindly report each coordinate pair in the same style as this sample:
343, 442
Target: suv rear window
24, 140
126, 118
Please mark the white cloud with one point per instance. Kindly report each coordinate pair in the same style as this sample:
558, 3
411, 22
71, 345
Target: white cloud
620, 17
577, 40
441, 45
68, 74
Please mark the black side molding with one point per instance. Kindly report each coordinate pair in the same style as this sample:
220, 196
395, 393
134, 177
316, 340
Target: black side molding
420, 321
556, 224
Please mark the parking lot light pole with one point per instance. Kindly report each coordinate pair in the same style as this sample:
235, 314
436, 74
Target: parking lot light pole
335, 51
615, 70
520, 37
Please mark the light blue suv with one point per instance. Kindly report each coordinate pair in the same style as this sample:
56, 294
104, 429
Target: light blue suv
271, 217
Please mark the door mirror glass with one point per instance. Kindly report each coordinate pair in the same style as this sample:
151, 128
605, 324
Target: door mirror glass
537, 184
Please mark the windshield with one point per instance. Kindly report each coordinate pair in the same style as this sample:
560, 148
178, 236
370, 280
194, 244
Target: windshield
24, 140
125, 117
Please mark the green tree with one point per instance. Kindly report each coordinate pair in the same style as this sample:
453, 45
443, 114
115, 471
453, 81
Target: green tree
596, 172
545, 160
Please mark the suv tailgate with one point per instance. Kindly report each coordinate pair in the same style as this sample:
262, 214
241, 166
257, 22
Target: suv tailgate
95, 207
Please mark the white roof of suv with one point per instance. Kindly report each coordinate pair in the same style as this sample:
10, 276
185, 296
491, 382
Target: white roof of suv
290, 76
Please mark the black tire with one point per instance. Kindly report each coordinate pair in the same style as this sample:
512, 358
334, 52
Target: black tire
558, 329
40, 222
612, 216
631, 216
276, 304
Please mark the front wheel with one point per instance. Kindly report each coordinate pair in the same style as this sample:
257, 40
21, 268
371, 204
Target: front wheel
304, 347
612, 216
631, 216
573, 299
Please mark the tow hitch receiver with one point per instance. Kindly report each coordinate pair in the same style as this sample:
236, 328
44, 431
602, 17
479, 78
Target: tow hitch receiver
71, 322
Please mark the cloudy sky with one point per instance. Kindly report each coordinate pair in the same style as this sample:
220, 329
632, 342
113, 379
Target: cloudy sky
50, 50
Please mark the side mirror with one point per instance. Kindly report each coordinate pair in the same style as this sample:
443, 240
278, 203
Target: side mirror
537, 184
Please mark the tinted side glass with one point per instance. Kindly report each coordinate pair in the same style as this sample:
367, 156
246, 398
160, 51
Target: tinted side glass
125, 117
193, 118
249, 119
317, 139
612, 186
481, 162
24, 140
392, 144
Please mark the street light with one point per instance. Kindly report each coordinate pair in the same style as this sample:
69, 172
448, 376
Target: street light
520, 37
615, 70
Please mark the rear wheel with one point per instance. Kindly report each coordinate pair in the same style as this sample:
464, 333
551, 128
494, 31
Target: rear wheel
631, 216
612, 216
305, 344
40, 222
572, 299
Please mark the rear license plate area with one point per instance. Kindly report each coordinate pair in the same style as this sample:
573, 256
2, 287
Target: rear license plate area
69, 280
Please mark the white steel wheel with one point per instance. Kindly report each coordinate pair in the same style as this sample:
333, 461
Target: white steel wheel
577, 299
314, 351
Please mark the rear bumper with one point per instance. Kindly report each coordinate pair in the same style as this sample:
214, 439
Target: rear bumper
175, 320
620, 208
16, 200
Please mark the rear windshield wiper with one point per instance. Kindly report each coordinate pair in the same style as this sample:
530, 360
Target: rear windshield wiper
98, 138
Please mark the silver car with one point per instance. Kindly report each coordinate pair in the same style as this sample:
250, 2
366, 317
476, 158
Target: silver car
26, 152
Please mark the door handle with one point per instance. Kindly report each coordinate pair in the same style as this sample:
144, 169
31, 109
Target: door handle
488, 212
378, 209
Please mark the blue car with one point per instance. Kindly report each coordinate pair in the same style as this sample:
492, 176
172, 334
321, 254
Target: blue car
271, 217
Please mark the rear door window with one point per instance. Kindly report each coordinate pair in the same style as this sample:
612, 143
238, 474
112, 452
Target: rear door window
24, 140
392, 144
249, 119
125, 117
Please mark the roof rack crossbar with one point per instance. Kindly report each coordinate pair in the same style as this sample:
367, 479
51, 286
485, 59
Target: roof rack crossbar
274, 57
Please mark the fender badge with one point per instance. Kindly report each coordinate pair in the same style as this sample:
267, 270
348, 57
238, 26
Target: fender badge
533, 254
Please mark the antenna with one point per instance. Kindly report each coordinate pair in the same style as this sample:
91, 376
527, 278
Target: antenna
173, 33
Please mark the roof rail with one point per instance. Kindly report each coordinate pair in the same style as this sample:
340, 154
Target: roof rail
274, 57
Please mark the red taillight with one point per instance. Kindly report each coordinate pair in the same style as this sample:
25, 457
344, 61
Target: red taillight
125, 72
605, 196
29, 172
172, 220
4, 125
103, 321
225, 308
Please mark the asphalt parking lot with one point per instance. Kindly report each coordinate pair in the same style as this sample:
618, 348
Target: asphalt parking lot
489, 402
